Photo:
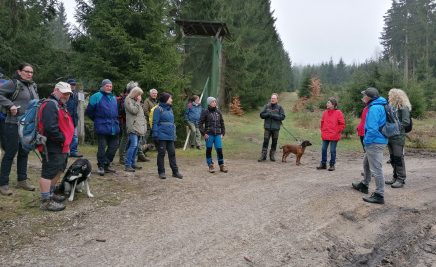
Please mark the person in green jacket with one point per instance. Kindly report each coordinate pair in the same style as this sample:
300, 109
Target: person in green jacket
400, 102
273, 114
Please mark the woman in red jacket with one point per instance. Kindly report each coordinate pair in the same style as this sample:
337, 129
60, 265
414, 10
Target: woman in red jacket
332, 125
361, 126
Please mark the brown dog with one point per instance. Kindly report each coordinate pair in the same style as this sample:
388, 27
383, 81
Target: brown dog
298, 150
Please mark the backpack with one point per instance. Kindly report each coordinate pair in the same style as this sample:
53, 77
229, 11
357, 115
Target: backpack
409, 127
150, 119
392, 126
28, 126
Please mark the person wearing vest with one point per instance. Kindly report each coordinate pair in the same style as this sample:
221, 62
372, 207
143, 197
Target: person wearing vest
14, 97
192, 117
164, 135
103, 111
332, 124
73, 106
55, 123
400, 102
375, 143
273, 115
136, 127
212, 128
149, 103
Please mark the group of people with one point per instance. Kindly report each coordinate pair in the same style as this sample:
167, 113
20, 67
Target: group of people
373, 141
135, 120
127, 117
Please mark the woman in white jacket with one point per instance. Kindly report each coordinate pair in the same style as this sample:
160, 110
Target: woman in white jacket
136, 126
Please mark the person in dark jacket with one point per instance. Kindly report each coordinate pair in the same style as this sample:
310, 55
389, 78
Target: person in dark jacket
103, 111
192, 117
212, 128
14, 97
273, 115
73, 109
400, 102
375, 143
332, 124
164, 134
57, 125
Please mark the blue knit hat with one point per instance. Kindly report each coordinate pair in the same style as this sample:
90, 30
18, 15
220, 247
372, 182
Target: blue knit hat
72, 82
105, 81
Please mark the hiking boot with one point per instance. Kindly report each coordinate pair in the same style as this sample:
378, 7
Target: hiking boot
398, 184
142, 158
360, 187
322, 166
108, 169
262, 155
129, 169
58, 198
211, 168
391, 181
137, 167
199, 147
178, 175
223, 168
162, 176
51, 205
272, 155
332, 168
100, 171
25, 185
4, 190
374, 198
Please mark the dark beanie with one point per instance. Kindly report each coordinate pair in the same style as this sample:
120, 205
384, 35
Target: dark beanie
164, 97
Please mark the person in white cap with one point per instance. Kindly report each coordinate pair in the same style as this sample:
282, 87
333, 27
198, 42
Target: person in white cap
57, 125
212, 128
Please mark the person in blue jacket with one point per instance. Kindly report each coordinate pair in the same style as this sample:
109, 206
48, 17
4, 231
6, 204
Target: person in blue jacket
103, 111
73, 109
192, 117
164, 135
375, 143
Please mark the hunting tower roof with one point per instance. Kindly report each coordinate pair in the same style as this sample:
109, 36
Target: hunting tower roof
203, 28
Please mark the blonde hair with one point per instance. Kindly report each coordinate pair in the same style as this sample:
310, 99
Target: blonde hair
398, 99
135, 92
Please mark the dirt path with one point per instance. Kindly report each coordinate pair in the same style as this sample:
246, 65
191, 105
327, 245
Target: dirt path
268, 214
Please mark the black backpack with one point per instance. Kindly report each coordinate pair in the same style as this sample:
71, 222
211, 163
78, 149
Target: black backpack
409, 127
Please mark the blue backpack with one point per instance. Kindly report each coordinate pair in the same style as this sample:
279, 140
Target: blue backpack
393, 125
28, 126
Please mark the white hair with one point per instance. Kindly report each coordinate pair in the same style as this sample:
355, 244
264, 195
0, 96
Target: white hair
153, 91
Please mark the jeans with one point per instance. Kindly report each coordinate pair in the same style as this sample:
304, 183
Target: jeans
195, 137
217, 141
11, 147
74, 143
274, 135
162, 147
396, 153
132, 148
325, 145
107, 147
373, 166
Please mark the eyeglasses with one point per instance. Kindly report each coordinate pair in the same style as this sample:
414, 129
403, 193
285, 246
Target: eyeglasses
28, 71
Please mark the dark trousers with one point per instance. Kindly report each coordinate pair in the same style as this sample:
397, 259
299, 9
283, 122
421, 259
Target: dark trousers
107, 147
11, 146
274, 135
162, 147
396, 153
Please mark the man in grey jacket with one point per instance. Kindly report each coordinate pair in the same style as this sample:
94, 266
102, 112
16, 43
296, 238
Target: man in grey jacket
14, 97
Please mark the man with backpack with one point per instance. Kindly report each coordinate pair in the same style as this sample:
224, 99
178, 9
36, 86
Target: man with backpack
375, 143
103, 111
14, 97
56, 124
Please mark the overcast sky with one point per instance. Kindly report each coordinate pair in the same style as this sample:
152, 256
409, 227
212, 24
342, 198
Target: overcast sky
313, 31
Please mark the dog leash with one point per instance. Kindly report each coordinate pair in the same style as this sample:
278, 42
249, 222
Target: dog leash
286, 130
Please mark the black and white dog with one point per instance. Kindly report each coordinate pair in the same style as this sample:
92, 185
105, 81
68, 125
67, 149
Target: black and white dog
76, 176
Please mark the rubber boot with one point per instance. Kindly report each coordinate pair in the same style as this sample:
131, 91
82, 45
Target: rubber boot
263, 155
272, 155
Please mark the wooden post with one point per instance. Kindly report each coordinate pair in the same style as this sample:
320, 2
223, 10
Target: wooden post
81, 122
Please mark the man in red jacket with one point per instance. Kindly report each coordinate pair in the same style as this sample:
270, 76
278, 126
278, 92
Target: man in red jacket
332, 125
56, 124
